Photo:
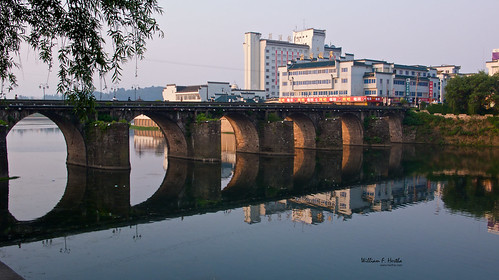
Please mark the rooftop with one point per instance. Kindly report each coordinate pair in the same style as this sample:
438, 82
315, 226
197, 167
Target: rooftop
312, 64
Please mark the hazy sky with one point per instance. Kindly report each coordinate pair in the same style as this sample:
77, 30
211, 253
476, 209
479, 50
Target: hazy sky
204, 39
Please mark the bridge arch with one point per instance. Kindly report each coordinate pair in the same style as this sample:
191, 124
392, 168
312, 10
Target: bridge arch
352, 131
247, 139
175, 139
303, 130
75, 143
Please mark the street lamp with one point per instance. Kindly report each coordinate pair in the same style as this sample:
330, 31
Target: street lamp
135, 88
44, 86
113, 90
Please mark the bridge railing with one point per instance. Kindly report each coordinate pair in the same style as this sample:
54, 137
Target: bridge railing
33, 103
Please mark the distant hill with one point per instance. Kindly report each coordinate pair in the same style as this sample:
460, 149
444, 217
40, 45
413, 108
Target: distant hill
146, 94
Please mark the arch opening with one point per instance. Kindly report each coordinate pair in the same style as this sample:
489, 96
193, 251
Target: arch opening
148, 157
351, 129
37, 150
303, 130
238, 134
228, 149
245, 133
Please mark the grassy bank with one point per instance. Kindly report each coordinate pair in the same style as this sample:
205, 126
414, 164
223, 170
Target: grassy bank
144, 128
422, 127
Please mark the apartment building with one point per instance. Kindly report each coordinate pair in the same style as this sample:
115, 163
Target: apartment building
263, 57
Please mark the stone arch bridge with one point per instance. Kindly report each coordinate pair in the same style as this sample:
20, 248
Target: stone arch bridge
193, 130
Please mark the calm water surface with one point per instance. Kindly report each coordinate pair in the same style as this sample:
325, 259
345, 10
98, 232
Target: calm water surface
404, 213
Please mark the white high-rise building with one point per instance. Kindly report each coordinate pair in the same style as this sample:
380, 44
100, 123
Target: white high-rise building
262, 57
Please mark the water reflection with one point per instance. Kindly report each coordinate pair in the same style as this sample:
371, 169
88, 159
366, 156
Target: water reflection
381, 202
319, 207
314, 185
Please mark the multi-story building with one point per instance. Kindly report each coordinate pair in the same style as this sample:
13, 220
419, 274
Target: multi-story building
262, 57
354, 81
444, 74
197, 93
212, 91
493, 65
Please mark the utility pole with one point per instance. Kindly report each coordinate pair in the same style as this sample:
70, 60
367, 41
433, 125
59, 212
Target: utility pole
135, 88
44, 86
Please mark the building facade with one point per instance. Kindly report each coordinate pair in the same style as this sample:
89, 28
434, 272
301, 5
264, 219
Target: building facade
211, 91
361, 81
263, 57
493, 65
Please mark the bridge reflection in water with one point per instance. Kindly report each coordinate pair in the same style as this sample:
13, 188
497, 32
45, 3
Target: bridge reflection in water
314, 185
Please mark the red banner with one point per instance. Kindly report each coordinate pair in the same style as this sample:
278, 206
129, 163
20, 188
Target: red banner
331, 99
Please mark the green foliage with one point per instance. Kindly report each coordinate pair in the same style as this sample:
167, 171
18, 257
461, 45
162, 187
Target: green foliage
372, 140
3, 179
2, 122
413, 118
74, 29
494, 121
144, 128
473, 94
438, 108
368, 120
105, 118
273, 117
201, 117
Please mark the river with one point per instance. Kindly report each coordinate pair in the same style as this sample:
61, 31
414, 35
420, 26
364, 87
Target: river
406, 212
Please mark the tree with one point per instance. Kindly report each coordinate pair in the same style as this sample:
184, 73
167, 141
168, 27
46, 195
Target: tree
473, 94
74, 29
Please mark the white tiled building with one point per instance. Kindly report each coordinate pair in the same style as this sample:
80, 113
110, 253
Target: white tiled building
365, 80
196, 93
211, 91
262, 57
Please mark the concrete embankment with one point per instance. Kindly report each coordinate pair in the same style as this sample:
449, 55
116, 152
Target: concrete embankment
6, 273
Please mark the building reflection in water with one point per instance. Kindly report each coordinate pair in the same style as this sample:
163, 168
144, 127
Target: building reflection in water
149, 139
343, 203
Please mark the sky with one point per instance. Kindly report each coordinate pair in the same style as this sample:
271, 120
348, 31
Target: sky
204, 39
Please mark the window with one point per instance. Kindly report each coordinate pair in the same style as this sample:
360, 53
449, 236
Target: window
381, 81
344, 81
344, 69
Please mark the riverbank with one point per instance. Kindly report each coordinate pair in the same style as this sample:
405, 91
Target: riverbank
462, 130
6, 273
